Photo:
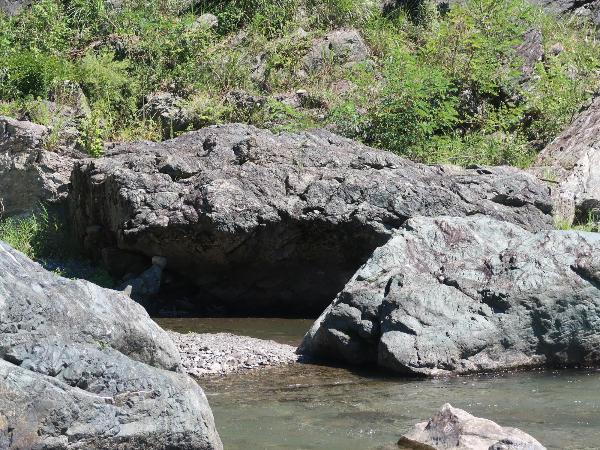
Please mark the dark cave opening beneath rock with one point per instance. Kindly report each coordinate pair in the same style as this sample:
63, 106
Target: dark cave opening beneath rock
286, 269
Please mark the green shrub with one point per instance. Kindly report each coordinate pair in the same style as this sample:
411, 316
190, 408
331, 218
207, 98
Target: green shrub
436, 88
91, 133
451, 92
31, 74
38, 235
44, 238
417, 104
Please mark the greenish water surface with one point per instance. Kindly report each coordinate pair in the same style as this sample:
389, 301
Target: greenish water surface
329, 408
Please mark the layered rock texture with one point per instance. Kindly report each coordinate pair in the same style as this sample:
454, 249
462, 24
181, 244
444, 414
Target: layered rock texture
452, 428
83, 367
461, 295
259, 222
571, 163
30, 174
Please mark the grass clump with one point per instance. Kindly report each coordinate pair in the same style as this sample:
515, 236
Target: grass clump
37, 235
44, 238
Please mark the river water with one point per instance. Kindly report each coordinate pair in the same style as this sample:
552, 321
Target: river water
328, 408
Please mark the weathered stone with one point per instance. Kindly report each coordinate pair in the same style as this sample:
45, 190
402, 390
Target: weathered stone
571, 164
69, 94
260, 222
530, 51
85, 367
145, 286
205, 354
14, 7
453, 428
337, 47
29, 173
206, 22
166, 109
589, 9
462, 295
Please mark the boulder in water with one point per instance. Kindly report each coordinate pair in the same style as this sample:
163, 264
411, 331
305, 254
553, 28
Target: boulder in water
452, 295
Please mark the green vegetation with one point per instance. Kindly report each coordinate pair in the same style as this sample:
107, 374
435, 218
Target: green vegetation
37, 236
437, 87
44, 238
592, 224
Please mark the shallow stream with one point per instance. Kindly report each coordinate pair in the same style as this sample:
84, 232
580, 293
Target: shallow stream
328, 408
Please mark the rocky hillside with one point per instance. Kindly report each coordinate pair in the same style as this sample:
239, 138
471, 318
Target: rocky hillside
480, 81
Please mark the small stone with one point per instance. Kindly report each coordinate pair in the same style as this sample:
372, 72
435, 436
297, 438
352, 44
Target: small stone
337, 47
159, 261
206, 22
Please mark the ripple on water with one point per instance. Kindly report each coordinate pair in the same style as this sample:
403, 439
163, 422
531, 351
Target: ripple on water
317, 407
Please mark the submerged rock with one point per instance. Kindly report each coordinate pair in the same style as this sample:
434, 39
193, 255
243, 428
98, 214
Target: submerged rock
453, 428
85, 367
259, 222
204, 354
461, 295
30, 174
571, 164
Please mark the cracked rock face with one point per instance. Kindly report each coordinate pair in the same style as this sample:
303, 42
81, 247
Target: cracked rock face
266, 223
83, 367
571, 163
462, 295
29, 174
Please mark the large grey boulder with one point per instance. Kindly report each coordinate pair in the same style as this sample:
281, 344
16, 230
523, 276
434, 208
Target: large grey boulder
462, 295
571, 164
452, 428
83, 367
260, 222
30, 173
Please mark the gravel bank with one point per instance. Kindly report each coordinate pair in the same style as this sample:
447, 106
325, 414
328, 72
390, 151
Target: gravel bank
223, 353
